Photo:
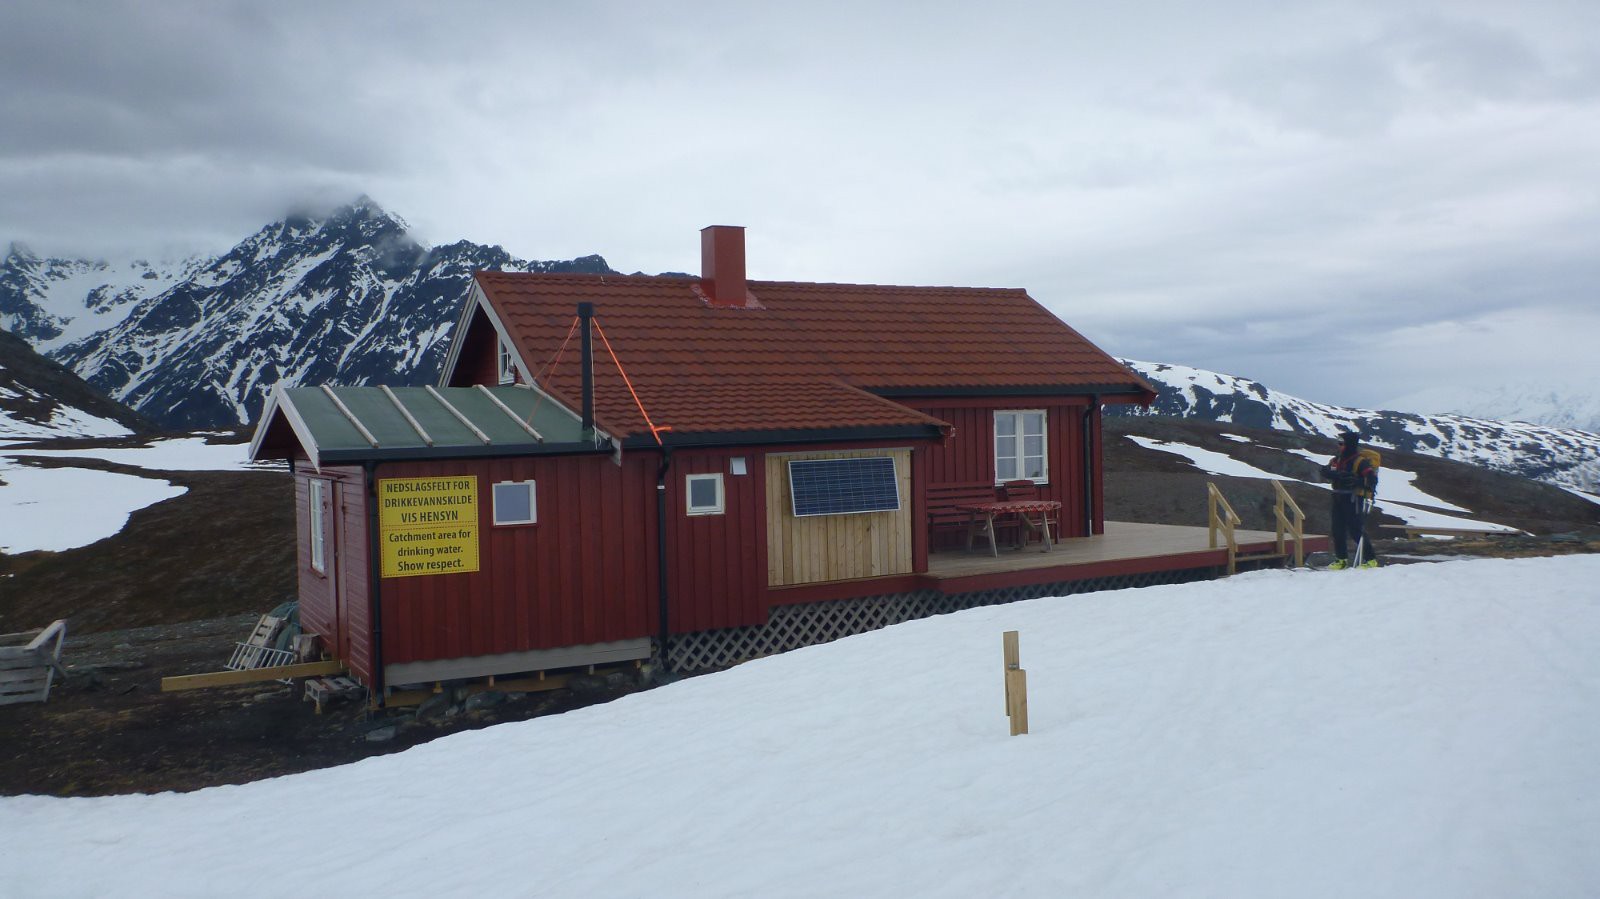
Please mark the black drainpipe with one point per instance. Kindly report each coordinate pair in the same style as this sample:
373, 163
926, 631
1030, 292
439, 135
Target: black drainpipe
661, 555
1088, 465
375, 579
586, 344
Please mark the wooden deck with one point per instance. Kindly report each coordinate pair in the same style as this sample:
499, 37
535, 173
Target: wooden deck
1124, 548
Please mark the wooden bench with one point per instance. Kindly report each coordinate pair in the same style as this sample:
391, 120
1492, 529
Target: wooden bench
1418, 531
945, 515
29, 663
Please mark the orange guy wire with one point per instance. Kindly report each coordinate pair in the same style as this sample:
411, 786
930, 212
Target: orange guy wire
654, 431
549, 368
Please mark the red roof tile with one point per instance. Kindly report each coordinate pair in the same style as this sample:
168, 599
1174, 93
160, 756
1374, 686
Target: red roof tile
796, 362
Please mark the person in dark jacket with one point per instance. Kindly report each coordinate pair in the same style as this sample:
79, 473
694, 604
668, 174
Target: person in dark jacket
1355, 482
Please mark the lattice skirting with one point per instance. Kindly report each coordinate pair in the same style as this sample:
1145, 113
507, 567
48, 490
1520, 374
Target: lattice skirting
804, 624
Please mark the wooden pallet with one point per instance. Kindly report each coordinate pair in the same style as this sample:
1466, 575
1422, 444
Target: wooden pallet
29, 663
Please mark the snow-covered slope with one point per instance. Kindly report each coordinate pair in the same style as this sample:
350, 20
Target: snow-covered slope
1563, 456
1418, 731
1570, 406
348, 297
40, 399
50, 302
68, 504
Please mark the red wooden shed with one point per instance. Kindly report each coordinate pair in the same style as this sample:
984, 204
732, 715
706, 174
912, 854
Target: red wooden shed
722, 468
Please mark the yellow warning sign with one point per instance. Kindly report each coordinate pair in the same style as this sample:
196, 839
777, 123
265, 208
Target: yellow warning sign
428, 525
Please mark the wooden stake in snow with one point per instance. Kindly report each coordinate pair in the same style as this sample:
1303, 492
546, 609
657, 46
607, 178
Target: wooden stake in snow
1016, 684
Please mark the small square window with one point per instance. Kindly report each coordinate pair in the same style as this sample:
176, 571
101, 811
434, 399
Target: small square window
704, 493
515, 502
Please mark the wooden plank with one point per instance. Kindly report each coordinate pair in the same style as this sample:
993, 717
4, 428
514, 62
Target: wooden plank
1413, 530
1010, 658
1121, 541
22, 675
28, 660
56, 631
406, 698
1017, 700
249, 676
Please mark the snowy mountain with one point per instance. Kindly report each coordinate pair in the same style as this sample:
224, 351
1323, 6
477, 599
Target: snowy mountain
1565, 407
41, 399
1562, 456
50, 302
348, 297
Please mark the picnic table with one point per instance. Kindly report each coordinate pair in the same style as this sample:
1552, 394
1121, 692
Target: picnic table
983, 516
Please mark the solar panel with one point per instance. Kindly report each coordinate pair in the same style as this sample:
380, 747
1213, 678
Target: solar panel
843, 486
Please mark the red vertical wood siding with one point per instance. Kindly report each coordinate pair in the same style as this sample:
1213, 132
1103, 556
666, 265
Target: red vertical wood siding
1098, 436
580, 575
479, 360
919, 508
355, 575
967, 457
339, 616
587, 571
717, 564
316, 594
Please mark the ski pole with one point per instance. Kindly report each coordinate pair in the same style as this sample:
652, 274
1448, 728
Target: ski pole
1361, 521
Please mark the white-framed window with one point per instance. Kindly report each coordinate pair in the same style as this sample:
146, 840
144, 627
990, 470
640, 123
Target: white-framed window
703, 494
1020, 445
316, 496
506, 366
516, 502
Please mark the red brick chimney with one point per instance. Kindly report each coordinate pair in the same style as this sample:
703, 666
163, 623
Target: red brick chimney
722, 266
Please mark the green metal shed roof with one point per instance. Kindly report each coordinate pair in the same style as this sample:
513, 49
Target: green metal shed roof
341, 424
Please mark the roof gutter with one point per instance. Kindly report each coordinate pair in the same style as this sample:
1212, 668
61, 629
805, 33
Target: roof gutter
1130, 391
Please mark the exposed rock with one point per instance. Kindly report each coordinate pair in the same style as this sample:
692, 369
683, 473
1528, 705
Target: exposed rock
382, 734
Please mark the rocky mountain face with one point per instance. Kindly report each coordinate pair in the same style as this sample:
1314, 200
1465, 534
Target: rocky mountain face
43, 399
1562, 456
345, 298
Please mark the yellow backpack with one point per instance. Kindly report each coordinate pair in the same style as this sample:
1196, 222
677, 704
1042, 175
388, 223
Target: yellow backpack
1373, 458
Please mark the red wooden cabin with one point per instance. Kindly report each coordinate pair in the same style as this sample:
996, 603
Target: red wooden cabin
745, 454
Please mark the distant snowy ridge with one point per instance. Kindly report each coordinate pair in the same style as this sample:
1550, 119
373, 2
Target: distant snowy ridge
348, 297
1561, 456
1568, 406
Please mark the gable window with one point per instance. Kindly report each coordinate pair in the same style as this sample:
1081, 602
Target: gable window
704, 492
515, 502
1019, 446
506, 367
319, 526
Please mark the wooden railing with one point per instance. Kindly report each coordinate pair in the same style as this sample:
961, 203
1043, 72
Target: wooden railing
1224, 523
1292, 527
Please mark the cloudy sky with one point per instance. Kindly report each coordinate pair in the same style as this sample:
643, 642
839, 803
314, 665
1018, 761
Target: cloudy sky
1348, 201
